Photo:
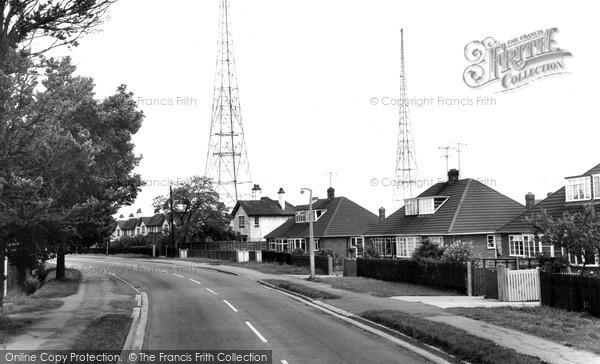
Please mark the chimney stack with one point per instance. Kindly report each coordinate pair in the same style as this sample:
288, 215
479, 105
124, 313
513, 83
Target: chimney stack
281, 195
156, 210
453, 175
549, 194
381, 214
529, 200
256, 192
131, 216
121, 217
330, 193
138, 214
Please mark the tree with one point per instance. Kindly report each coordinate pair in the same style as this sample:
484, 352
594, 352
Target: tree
578, 233
73, 171
197, 211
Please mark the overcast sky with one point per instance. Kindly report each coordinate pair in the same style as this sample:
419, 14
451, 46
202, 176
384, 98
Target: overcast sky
308, 71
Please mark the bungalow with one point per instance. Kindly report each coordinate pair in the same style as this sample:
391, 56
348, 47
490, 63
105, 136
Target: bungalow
254, 219
337, 221
517, 235
458, 209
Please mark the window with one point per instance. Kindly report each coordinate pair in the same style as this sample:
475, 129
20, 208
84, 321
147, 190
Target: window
426, 205
411, 206
137, 230
491, 242
437, 240
383, 246
302, 216
271, 243
578, 189
281, 245
296, 244
596, 186
516, 247
143, 230
357, 243
118, 232
316, 241
406, 246
256, 221
242, 221
244, 238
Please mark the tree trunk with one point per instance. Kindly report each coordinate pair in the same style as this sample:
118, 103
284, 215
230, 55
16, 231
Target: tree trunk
60, 264
3, 281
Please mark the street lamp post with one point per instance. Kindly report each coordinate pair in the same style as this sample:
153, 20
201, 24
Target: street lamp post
171, 242
311, 240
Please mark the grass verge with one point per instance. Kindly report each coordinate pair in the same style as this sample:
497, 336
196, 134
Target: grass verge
108, 333
264, 267
44, 298
302, 289
450, 339
382, 288
11, 327
578, 330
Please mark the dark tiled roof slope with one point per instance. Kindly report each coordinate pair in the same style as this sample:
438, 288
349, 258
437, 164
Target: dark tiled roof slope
555, 205
342, 218
471, 207
129, 224
156, 220
264, 207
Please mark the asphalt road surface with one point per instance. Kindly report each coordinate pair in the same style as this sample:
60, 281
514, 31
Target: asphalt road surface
201, 309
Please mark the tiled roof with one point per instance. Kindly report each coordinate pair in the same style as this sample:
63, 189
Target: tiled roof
472, 207
263, 207
342, 218
156, 220
554, 205
129, 224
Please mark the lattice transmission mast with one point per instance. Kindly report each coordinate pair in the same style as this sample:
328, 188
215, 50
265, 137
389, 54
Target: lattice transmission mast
227, 159
406, 162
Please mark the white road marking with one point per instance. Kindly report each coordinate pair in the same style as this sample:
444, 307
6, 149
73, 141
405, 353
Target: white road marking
231, 306
195, 281
284, 362
175, 274
211, 291
256, 332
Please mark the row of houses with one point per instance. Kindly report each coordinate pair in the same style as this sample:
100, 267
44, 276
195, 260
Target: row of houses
456, 209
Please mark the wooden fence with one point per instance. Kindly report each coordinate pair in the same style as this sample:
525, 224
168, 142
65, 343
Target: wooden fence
212, 254
226, 245
571, 292
518, 285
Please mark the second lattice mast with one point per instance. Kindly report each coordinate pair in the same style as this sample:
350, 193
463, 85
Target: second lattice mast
406, 162
227, 159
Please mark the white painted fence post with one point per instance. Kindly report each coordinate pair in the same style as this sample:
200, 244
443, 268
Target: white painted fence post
469, 279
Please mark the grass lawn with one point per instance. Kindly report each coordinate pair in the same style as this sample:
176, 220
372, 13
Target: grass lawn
302, 289
579, 330
382, 288
448, 338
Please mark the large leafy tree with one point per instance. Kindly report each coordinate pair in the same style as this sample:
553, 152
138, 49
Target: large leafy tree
197, 211
578, 233
75, 167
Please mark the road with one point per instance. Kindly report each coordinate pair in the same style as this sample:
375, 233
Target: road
201, 309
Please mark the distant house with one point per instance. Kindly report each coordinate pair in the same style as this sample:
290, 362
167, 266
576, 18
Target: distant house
254, 219
517, 235
338, 225
458, 209
140, 225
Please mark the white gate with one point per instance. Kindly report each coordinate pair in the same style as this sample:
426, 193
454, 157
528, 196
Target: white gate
518, 285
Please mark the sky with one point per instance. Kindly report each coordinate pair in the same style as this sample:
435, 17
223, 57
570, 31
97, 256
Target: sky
316, 79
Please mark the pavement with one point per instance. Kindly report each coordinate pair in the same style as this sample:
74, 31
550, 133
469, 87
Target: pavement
431, 309
58, 329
